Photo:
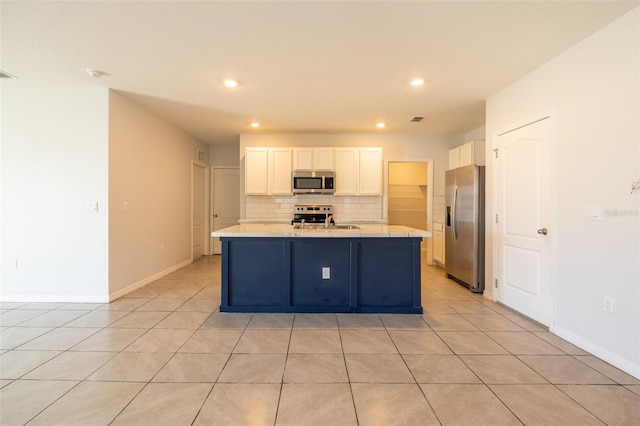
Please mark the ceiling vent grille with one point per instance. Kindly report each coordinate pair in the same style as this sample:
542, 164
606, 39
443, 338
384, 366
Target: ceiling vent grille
6, 75
416, 119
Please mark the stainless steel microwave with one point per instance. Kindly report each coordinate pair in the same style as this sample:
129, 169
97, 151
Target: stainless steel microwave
305, 182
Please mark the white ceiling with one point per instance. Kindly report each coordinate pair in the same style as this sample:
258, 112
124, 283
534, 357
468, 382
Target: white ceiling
304, 67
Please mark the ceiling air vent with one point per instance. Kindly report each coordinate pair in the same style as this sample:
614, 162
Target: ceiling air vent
416, 119
6, 75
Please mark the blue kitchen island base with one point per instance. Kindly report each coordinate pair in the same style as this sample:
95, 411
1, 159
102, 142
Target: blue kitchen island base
351, 275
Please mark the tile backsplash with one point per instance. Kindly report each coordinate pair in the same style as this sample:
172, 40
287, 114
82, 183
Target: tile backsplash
345, 209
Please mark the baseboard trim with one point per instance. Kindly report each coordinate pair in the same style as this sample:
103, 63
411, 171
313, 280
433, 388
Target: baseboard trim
597, 350
128, 289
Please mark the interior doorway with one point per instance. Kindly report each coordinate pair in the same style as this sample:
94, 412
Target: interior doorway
226, 201
199, 211
409, 196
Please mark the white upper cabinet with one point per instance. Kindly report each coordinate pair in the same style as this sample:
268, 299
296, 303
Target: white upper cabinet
358, 171
267, 171
313, 159
370, 182
346, 177
256, 170
467, 154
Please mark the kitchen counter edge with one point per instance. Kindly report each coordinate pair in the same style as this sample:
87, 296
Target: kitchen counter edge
287, 231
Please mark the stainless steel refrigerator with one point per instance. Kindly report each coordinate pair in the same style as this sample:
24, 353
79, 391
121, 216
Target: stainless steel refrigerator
464, 226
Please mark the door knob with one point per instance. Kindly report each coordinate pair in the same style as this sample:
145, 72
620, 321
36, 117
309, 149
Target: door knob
215, 215
543, 231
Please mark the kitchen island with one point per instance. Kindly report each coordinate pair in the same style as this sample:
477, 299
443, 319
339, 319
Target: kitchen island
276, 268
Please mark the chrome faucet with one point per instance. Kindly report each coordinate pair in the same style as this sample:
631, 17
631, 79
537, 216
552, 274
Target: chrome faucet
327, 220
302, 224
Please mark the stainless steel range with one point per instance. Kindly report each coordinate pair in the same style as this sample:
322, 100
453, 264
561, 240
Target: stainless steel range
313, 213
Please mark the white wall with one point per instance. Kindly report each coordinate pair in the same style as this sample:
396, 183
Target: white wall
54, 161
593, 92
224, 155
150, 169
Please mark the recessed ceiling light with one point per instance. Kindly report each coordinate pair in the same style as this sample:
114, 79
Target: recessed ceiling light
417, 82
230, 82
380, 125
95, 73
4, 74
255, 124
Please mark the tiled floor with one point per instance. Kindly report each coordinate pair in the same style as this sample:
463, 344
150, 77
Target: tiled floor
163, 355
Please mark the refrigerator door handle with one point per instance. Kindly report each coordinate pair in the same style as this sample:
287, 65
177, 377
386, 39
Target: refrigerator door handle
454, 219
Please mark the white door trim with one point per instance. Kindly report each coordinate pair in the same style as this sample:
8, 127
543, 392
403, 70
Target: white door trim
206, 249
552, 117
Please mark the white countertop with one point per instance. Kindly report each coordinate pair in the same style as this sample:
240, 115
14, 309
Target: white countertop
287, 231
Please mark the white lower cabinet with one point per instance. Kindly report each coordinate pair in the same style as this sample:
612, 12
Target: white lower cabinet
438, 243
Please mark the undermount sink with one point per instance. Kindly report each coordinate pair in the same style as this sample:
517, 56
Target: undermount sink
316, 226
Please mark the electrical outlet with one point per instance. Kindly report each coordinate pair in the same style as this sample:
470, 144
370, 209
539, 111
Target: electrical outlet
608, 304
13, 264
92, 207
326, 273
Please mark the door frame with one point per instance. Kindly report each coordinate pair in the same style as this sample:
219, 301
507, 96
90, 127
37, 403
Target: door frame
211, 196
490, 152
205, 205
385, 197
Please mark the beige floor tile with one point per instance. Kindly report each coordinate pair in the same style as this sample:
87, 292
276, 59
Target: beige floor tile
271, 321
525, 323
392, 404
18, 316
432, 306
613, 405
178, 292
165, 404
419, 342
404, 322
192, 368
359, 321
160, 340
253, 368
523, 343
377, 368
199, 305
543, 405
15, 364
263, 342
367, 342
59, 339
139, 319
227, 320
240, 404
89, 403
110, 339
162, 305
319, 404
315, 368
496, 307
70, 366
502, 369
315, 321
75, 306
608, 370
471, 343
55, 318
464, 404
97, 319
564, 369
448, 322
131, 367
492, 322
315, 341
470, 307
125, 304
559, 343
634, 388
212, 341
4, 383
42, 305
439, 369
23, 399
186, 320
12, 337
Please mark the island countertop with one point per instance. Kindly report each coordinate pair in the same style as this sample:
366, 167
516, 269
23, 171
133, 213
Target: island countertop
287, 231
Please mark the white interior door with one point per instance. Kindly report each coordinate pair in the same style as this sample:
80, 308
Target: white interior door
524, 222
226, 201
197, 209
